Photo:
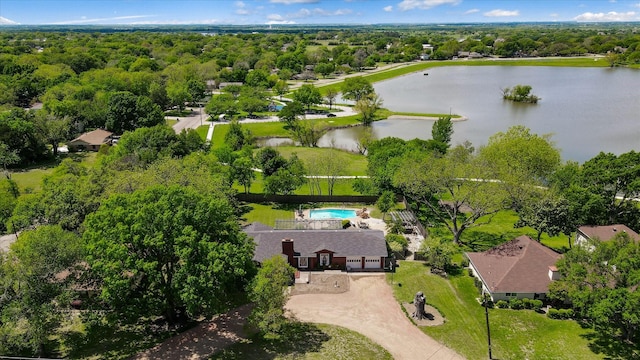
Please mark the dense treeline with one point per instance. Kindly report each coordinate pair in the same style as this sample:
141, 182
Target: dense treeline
90, 80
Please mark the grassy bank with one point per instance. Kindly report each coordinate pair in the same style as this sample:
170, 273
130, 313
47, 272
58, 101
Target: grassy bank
515, 334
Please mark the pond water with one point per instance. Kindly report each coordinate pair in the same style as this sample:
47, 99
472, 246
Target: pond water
587, 110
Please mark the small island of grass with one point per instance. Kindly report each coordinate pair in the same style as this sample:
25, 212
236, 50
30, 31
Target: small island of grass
520, 93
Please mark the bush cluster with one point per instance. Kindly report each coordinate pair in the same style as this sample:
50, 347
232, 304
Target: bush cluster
562, 314
518, 304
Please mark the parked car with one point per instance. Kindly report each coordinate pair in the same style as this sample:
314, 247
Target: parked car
331, 115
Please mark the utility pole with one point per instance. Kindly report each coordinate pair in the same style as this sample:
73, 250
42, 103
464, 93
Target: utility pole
485, 302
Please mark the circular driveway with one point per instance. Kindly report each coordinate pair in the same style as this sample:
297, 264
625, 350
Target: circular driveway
370, 309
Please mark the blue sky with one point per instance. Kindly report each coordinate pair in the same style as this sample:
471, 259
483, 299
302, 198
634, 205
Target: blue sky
104, 12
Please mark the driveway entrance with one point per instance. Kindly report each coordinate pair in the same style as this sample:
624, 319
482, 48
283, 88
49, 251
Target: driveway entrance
369, 308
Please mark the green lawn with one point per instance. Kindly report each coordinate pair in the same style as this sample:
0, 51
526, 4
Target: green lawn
355, 164
515, 334
342, 187
501, 229
30, 178
202, 131
308, 342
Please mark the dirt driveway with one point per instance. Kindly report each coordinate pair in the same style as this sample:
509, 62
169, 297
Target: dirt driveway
370, 309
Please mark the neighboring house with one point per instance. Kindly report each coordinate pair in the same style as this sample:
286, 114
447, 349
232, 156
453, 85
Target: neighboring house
91, 141
520, 268
316, 249
603, 233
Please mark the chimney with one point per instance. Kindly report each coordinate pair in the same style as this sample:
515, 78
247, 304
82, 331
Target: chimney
287, 249
554, 274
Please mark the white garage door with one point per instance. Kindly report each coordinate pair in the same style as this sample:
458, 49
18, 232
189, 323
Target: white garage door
354, 262
372, 263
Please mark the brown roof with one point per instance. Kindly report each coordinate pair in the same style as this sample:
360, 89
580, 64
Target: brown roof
95, 137
308, 242
608, 232
519, 266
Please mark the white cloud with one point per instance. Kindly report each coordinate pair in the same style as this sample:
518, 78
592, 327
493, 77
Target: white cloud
637, 5
610, 16
84, 20
241, 8
554, 15
613, 1
289, 2
425, 4
5, 21
471, 11
388, 8
502, 13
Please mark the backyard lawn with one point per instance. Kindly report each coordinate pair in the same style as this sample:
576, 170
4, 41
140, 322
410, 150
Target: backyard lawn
30, 179
515, 334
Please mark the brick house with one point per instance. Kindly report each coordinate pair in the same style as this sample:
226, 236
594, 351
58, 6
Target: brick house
351, 249
520, 268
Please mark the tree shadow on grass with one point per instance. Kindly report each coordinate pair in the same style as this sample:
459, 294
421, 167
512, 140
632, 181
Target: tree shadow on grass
610, 345
298, 339
109, 340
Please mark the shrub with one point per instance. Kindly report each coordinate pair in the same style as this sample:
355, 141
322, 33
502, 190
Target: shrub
477, 283
501, 304
562, 314
536, 305
465, 262
516, 304
566, 313
526, 303
469, 271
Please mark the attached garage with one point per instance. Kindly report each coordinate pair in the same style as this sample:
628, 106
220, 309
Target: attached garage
372, 263
354, 262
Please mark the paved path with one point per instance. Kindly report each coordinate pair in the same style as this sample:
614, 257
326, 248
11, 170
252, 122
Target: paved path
203, 340
370, 309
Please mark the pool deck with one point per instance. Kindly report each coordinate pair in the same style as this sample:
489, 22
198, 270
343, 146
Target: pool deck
357, 222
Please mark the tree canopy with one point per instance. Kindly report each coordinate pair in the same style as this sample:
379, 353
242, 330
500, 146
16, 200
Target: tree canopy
168, 251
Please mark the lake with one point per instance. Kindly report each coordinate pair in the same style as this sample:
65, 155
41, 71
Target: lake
587, 110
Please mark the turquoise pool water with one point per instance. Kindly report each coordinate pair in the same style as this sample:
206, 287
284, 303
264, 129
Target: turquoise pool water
332, 214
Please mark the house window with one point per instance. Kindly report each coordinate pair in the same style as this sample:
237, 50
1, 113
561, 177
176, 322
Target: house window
303, 262
511, 294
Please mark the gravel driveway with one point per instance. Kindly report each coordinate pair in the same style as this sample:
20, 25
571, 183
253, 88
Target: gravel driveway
370, 309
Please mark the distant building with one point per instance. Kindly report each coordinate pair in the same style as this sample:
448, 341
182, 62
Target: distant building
603, 233
91, 141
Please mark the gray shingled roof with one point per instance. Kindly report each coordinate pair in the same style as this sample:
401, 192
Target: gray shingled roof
308, 242
519, 266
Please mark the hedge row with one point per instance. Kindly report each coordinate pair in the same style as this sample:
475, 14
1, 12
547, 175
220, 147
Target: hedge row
562, 314
517, 304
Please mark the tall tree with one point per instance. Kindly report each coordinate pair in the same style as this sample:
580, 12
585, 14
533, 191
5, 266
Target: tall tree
182, 252
521, 161
53, 129
308, 95
269, 295
330, 96
454, 189
442, 130
548, 213
35, 292
356, 88
367, 107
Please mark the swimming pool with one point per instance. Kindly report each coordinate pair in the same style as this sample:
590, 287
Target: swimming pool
332, 214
